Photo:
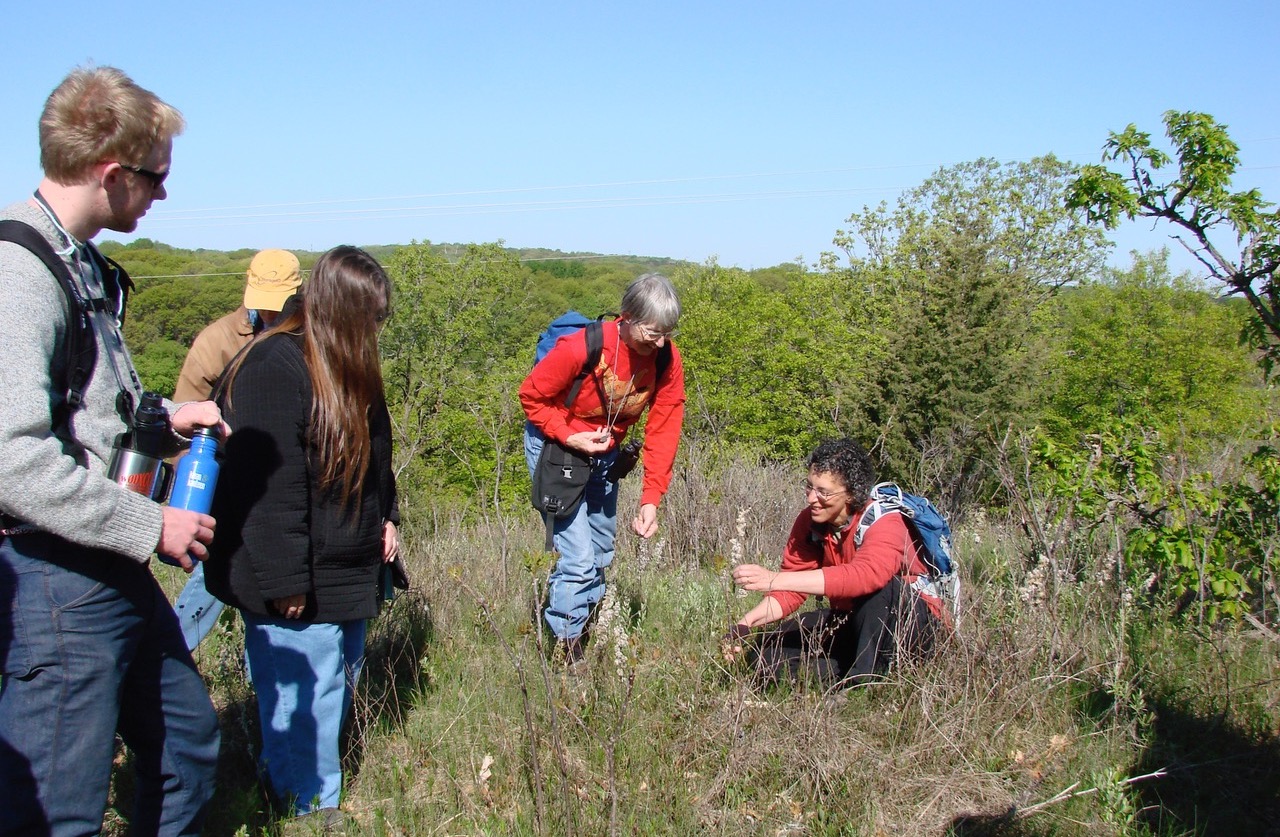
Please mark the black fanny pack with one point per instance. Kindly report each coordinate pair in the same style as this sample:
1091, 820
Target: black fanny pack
559, 480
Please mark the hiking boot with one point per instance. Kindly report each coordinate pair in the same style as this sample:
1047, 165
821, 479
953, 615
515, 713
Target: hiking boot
323, 821
574, 651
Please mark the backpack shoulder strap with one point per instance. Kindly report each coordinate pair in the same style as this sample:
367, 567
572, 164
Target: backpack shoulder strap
885, 498
873, 512
82, 347
595, 346
115, 281
29, 238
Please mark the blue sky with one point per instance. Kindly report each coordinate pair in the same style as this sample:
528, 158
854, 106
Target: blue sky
746, 132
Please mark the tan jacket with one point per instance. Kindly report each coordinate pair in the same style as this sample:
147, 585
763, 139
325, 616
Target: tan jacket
212, 350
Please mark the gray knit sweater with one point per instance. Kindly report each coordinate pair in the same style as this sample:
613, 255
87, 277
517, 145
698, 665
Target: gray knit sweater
56, 478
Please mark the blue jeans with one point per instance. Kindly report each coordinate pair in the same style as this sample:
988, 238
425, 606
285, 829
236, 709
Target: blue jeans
89, 647
198, 609
583, 541
304, 674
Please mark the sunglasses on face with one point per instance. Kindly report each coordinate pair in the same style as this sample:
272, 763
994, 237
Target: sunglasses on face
156, 177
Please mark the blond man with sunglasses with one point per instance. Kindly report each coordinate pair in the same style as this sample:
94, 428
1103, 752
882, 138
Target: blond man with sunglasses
89, 646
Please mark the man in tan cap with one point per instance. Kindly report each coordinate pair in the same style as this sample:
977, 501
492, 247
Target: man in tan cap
273, 277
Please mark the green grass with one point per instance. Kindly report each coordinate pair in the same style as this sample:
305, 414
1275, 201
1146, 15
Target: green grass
1031, 721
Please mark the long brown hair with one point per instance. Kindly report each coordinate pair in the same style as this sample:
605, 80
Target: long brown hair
343, 304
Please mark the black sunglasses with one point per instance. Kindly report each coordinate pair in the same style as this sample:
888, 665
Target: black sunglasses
156, 177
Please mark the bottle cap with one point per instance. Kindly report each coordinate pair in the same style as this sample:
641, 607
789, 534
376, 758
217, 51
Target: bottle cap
214, 433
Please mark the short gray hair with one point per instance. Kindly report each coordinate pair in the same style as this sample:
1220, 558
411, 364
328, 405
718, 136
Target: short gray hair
652, 300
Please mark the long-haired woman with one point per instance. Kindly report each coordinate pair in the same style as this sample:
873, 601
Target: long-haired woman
306, 510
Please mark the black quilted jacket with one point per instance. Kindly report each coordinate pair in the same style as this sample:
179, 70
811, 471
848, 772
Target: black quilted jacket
278, 533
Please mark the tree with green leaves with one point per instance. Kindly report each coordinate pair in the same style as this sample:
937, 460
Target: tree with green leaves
966, 259
775, 368
451, 353
1141, 341
1235, 235
160, 364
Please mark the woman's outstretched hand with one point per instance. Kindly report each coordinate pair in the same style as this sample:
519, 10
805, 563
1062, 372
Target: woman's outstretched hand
754, 577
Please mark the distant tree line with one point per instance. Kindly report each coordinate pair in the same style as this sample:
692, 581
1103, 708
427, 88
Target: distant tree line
979, 304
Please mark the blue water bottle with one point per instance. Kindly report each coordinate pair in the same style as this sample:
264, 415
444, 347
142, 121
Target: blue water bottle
196, 476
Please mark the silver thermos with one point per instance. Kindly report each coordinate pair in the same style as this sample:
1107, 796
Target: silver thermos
137, 460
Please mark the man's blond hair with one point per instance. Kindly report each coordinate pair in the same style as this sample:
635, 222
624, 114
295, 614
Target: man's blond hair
99, 114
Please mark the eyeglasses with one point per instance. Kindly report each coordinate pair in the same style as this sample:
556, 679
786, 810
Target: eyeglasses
823, 494
156, 177
650, 335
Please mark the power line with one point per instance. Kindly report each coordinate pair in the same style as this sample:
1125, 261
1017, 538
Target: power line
524, 189
243, 214
510, 207
664, 181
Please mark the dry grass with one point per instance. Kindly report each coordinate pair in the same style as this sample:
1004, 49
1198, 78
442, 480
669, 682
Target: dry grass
468, 724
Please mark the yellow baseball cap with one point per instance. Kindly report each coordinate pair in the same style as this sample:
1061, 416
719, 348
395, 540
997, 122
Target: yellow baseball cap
274, 276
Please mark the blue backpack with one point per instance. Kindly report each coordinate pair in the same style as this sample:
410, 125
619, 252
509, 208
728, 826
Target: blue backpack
571, 322
931, 534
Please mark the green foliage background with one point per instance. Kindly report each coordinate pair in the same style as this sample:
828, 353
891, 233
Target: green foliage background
978, 305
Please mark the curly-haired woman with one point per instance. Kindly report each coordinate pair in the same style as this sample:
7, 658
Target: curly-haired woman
873, 613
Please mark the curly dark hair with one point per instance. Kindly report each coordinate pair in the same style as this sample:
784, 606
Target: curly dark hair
849, 462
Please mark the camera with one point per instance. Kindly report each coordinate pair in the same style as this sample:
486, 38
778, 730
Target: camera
628, 457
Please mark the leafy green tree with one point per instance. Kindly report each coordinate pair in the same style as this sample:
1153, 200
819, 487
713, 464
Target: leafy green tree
773, 369
1143, 341
159, 364
178, 308
1234, 235
449, 351
1014, 211
966, 260
1198, 544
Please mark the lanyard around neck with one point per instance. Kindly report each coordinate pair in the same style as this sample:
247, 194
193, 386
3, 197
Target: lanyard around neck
126, 378
72, 244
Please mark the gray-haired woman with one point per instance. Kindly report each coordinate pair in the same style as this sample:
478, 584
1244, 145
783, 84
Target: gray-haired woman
639, 369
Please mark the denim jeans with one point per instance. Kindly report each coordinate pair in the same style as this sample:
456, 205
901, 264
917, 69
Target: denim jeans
583, 541
304, 674
89, 647
198, 609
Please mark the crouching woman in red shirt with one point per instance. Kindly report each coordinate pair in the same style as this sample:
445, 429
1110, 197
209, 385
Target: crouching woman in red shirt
874, 612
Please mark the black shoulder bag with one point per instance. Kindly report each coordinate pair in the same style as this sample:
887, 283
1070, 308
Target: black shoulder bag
559, 482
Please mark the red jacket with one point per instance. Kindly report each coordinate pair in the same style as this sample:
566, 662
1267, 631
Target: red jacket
627, 380
849, 573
